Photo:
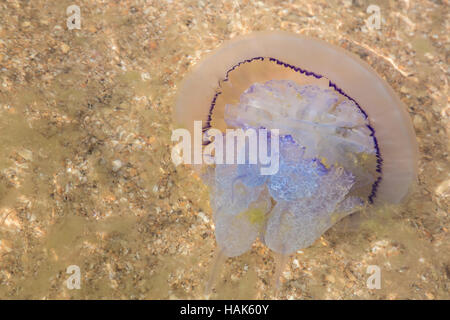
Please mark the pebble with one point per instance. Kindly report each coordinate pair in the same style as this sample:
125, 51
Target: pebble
116, 165
65, 48
418, 122
26, 154
287, 275
203, 217
330, 278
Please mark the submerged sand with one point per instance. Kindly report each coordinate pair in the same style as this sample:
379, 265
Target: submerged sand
86, 177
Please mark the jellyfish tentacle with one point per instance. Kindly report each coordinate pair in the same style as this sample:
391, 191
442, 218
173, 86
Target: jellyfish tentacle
281, 261
219, 260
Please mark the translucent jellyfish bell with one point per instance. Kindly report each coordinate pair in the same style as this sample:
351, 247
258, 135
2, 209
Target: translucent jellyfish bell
345, 138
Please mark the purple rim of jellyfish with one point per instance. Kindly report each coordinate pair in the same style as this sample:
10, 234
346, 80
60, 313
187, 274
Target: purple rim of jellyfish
207, 126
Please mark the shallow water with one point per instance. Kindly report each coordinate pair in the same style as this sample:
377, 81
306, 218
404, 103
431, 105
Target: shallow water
86, 177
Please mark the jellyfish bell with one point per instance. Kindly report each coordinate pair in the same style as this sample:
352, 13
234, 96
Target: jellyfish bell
198, 98
343, 132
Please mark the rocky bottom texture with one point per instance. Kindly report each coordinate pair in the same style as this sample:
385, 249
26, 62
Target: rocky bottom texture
86, 176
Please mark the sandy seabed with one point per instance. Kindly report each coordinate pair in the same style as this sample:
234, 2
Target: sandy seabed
86, 176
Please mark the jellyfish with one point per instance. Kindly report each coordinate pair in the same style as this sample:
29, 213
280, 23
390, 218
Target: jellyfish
345, 140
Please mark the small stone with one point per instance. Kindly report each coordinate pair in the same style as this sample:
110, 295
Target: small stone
330, 278
287, 275
347, 3
5, 245
418, 122
65, 48
116, 165
429, 295
429, 56
203, 217
404, 90
26, 154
